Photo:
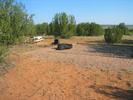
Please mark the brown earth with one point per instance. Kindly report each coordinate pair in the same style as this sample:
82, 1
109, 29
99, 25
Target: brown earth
89, 71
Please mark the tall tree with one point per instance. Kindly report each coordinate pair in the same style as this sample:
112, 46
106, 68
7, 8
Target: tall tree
63, 25
14, 21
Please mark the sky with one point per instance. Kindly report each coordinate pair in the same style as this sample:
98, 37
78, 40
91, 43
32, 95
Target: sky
99, 11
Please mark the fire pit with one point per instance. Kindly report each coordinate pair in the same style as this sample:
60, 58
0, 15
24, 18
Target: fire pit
64, 46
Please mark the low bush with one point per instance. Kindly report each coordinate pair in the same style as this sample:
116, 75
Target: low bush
113, 35
89, 29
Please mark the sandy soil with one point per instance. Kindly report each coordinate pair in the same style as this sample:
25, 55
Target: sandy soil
85, 72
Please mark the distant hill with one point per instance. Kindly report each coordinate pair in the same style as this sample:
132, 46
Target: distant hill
106, 26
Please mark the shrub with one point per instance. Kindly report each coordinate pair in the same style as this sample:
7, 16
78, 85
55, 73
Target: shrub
3, 53
113, 35
89, 29
124, 28
96, 30
83, 29
7, 39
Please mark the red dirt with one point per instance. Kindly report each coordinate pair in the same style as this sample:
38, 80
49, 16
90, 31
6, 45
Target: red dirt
47, 74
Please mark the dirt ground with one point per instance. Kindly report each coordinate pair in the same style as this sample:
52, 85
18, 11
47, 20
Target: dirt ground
91, 70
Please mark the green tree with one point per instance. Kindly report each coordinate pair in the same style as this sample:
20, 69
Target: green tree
30, 28
124, 28
86, 29
14, 22
63, 25
42, 29
51, 29
83, 29
96, 29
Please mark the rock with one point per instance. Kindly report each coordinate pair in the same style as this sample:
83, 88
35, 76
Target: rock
56, 42
129, 83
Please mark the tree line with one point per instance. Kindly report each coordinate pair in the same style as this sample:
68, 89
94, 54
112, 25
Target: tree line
64, 26
16, 24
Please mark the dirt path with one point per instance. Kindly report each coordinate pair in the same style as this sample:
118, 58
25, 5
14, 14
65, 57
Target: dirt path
46, 74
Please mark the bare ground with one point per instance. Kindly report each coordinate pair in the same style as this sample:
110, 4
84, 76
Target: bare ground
89, 71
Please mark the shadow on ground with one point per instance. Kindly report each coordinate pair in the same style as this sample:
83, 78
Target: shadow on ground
114, 92
122, 50
127, 42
